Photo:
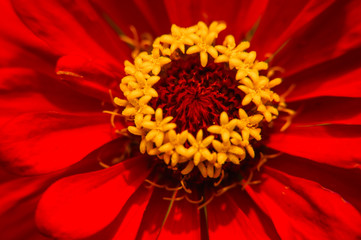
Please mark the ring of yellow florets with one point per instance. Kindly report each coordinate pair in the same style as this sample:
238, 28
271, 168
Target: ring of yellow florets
227, 142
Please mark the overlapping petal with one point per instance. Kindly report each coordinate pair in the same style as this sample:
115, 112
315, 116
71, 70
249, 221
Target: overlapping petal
304, 208
37, 143
331, 144
81, 205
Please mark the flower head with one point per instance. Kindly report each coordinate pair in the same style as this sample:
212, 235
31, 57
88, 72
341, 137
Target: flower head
160, 120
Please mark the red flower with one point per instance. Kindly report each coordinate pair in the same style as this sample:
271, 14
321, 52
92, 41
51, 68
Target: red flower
58, 65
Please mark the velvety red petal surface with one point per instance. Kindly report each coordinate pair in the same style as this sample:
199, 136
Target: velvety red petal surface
131, 215
346, 182
32, 92
182, 222
304, 209
333, 33
277, 25
37, 143
81, 205
125, 15
326, 110
72, 28
92, 77
227, 219
17, 207
240, 16
338, 77
333, 144
20, 47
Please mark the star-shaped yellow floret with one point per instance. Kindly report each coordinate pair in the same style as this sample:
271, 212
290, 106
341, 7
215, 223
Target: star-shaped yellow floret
135, 106
225, 128
249, 66
226, 151
258, 91
140, 131
139, 66
231, 53
180, 37
174, 147
158, 127
248, 125
204, 41
199, 147
157, 61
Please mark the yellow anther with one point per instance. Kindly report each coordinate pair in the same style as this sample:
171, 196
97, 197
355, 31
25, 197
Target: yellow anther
157, 61
200, 147
158, 127
227, 151
174, 141
204, 42
226, 127
188, 168
180, 37
230, 53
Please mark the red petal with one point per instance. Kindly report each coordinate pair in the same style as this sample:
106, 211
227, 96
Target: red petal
131, 215
17, 207
182, 222
278, 25
92, 77
81, 205
227, 217
20, 47
332, 34
327, 110
338, 77
72, 28
239, 16
155, 15
347, 183
30, 91
37, 143
334, 144
125, 14
303, 209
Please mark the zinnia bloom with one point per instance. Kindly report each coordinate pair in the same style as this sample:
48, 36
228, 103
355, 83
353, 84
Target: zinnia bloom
180, 119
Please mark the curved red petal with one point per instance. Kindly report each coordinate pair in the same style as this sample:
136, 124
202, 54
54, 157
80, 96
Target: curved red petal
155, 14
31, 91
72, 28
345, 182
304, 209
277, 24
131, 215
125, 15
20, 47
92, 77
227, 218
37, 143
17, 207
338, 77
182, 222
83, 204
333, 144
332, 34
326, 110
240, 16
178, 224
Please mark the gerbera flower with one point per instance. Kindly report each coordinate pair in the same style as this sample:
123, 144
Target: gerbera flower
169, 120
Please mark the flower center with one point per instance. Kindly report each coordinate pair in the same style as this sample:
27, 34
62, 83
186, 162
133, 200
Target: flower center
196, 96
200, 108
